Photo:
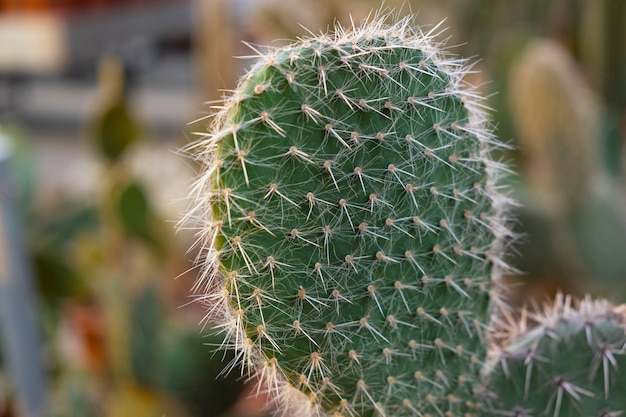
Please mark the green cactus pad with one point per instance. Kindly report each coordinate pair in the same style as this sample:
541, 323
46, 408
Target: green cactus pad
571, 365
349, 208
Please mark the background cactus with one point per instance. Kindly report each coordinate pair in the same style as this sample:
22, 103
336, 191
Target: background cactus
353, 222
573, 205
571, 364
557, 117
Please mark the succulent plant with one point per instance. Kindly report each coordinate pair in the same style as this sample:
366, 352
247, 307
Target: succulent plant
557, 117
574, 203
352, 221
570, 364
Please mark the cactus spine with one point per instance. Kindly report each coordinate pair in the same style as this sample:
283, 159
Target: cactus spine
350, 210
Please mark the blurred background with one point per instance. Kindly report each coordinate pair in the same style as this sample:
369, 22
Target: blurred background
98, 96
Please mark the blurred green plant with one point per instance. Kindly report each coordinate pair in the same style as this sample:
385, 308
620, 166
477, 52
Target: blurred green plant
115, 128
194, 376
101, 264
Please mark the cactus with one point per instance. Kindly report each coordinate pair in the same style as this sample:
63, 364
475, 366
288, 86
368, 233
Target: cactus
557, 117
569, 365
352, 221
578, 205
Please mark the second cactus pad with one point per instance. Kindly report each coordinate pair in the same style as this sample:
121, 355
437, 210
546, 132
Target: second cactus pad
570, 365
351, 224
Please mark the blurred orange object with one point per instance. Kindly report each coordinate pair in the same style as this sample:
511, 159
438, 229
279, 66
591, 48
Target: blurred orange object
82, 337
24, 5
20, 6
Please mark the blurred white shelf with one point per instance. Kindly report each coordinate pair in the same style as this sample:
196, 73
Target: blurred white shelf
71, 104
